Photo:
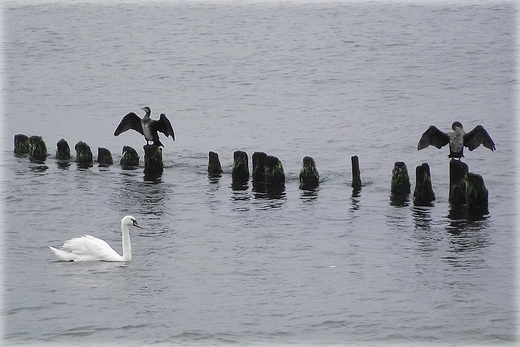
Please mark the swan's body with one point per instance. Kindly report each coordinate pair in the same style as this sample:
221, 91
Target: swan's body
90, 248
458, 139
146, 126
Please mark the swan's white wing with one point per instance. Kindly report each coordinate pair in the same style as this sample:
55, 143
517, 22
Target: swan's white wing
88, 248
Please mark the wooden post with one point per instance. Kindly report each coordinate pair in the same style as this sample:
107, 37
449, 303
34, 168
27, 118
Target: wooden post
356, 173
458, 172
258, 159
83, 154
274, 173
38, 148
240, 168
309, 176
423, 194
476, 195
62, 150
129, 158
153, 164
214, 166
22, 145
400, 184
104, 157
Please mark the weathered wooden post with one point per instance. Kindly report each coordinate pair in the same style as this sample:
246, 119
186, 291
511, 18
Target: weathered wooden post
22, 145
84, 156
129, 158
356, 173
104, 157
258, 160
240, 168
274, 173
62, 150
214, 166
400, 184
38, 148
423, 194
153, 164
458, 172
309, 176
476, 195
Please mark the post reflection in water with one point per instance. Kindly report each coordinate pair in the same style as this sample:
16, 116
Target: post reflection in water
240, 196
211, 193
426, 237
268, 191
309, 195
422, 217
465, 249
266, 196
142, 197
468, 237
356, 195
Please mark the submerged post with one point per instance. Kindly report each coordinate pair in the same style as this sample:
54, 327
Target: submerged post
309, 176
476, 195
83, 154
38, 148
22, 145
62, 150
104, 157
356, 173
214, 166
240, 168
274, 173
129, 158
458, 172
423, 193
258, 159
153, 164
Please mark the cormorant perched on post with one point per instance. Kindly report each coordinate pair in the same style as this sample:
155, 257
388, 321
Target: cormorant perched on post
146, 126
458, 139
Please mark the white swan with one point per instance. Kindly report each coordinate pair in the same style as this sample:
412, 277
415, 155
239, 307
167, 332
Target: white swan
90, 248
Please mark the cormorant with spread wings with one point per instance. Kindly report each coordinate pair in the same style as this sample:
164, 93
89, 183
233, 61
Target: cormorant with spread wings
146, 126
458, 139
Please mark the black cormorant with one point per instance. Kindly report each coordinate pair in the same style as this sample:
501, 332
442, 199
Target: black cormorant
146, 126
458, 139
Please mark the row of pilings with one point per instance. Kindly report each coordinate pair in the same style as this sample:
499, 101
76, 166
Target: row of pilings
36, 149
267, 170
467, 193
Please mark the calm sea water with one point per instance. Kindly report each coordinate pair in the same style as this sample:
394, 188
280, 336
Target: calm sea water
219, 265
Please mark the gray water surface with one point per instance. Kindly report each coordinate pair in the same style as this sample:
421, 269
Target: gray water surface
215, 264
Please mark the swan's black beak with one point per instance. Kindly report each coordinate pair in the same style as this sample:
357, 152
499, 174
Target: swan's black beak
134, 222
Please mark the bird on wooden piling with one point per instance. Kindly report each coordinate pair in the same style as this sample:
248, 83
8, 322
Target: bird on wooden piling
90, 248
458, 139
146, 126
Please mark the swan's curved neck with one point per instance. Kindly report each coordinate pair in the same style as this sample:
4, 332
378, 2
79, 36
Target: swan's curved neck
127, 248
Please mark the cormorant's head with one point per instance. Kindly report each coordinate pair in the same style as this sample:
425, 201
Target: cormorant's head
147, 110
457, 125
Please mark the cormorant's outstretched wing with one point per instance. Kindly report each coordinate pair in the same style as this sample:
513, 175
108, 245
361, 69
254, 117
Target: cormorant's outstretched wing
478, 136
130, 121
163, 125
433, 136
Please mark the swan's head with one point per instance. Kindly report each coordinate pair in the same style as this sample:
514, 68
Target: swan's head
130, 221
